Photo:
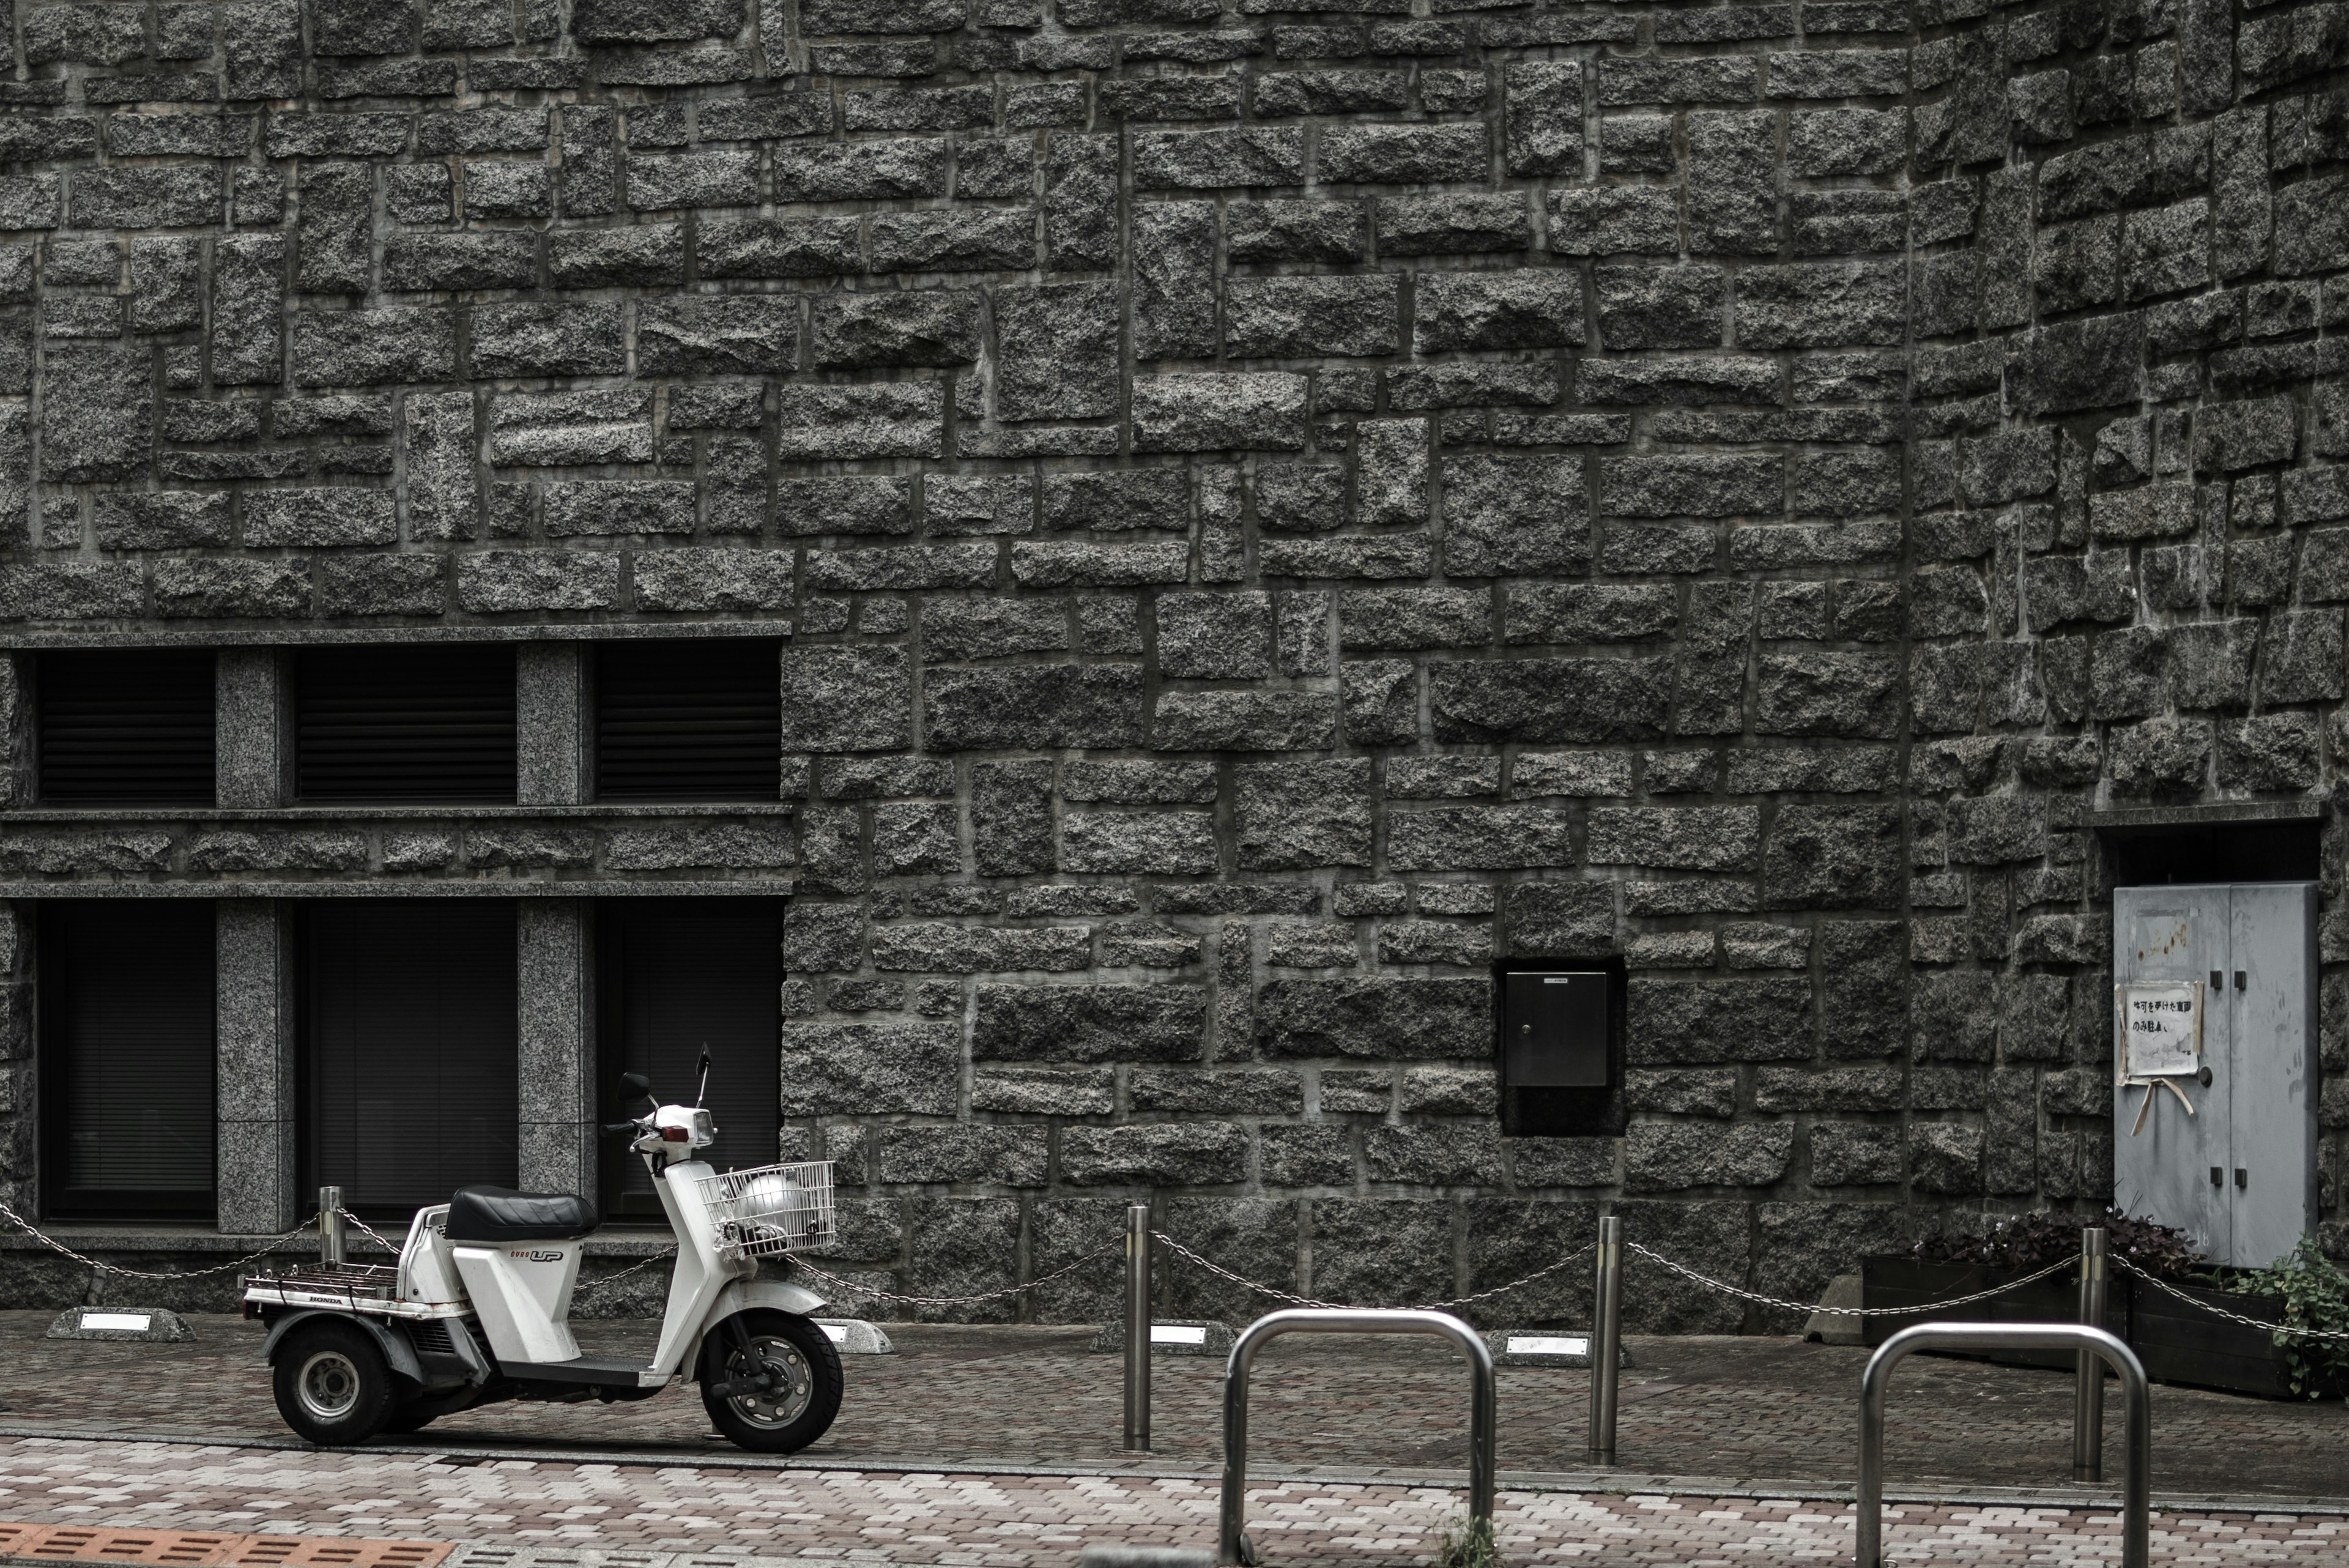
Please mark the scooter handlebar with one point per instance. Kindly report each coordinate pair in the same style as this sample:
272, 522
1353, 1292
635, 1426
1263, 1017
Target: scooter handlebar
620, 1126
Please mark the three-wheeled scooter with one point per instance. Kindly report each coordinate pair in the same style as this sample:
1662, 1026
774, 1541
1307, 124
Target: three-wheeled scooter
476, 1310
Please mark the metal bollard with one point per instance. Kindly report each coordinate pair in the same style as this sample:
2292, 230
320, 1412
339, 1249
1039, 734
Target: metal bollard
1606, 1340
331, 1247
1137, 1325
2088, 1392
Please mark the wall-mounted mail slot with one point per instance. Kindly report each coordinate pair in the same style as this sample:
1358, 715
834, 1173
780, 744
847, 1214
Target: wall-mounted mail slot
1553, 1029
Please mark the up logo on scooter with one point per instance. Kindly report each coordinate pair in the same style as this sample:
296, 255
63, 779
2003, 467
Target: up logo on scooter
358, 1349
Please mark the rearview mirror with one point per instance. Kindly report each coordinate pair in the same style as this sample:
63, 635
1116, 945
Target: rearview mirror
637, 1084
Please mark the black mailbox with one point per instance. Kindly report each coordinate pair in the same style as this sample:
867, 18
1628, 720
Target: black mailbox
1553, 1029
1561, 1047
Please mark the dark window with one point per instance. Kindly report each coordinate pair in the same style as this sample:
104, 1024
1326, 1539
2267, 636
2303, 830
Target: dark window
129, 727
1561, 1047
126, 1017
406, 722
688, 720
2212, 852
677, 976
409, 1052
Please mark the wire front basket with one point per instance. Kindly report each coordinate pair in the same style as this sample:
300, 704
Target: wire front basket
770, 1210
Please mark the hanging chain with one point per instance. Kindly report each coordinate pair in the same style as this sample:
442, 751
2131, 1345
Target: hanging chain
853, 1287
378, 1237
592, 1286
1779, 1301
55, 1245
1172, 1245
1169, 1243
2279, 1329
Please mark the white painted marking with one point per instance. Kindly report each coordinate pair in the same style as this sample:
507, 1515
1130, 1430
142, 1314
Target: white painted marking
1175, 1333
1549, 1344
138, 1322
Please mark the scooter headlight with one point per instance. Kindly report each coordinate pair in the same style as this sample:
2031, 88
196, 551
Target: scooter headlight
705, 1129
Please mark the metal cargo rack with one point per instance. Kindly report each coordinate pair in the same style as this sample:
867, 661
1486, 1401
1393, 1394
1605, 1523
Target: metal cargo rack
344, 1287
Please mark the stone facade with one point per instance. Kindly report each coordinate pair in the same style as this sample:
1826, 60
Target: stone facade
1275, 510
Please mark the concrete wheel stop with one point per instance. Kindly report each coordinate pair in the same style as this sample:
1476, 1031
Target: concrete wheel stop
150, 1323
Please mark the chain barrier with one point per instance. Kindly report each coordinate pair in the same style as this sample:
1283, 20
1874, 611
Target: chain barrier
1783, 1304
378, 1237
1269, 1292
1171, 1244
2279, 1329
866, 1291
592, 1286
51, 1242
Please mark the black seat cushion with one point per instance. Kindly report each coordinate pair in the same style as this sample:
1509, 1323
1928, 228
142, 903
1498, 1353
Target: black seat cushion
497, 1214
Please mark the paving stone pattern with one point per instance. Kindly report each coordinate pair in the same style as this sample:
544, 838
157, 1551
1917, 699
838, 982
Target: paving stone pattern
1746, 1411
571, 1514
1276, 507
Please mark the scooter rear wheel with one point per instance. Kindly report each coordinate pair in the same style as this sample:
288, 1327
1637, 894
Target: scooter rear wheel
331, 1382
799, 1366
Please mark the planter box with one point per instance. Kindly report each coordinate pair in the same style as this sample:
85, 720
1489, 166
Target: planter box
1906, 1282
2178, 1344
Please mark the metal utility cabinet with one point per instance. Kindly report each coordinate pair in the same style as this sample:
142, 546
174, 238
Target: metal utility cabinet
2238, 963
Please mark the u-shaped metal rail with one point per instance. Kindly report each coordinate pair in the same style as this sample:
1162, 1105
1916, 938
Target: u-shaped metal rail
2136, 1412
1350, 1320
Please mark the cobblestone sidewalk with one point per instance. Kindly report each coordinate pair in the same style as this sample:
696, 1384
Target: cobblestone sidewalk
1015, 1521
1731, 1409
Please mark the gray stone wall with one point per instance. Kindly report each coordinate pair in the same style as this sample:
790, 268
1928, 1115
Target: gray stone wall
1276, 508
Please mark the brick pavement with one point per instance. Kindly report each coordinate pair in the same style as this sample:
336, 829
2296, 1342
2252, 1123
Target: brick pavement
1016, 1522
1732, 1408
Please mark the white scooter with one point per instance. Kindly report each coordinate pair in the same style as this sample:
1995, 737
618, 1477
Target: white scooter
476, 1310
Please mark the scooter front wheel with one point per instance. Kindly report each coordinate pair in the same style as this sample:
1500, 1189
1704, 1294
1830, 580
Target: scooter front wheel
331, 1382
770, 1380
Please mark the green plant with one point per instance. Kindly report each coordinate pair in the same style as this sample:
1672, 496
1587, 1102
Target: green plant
2026, 1242
2314, 1292
1469, 1543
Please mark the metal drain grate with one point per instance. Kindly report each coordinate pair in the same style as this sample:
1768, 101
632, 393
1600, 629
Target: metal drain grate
206, 1548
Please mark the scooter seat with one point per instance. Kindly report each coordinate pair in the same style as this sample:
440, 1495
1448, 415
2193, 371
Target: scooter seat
499, 1214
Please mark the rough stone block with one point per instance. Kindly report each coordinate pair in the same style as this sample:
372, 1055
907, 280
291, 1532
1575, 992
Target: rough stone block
905, 419
1087, 1023
1515, 516
846, 698
1094, 705
834, 1069
1207, 412
1395, 1019
1527, 308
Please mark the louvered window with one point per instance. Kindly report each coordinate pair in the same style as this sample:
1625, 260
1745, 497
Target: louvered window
688, 720
127, 727
409, 1031
677, 976
410, 722
127, 1024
